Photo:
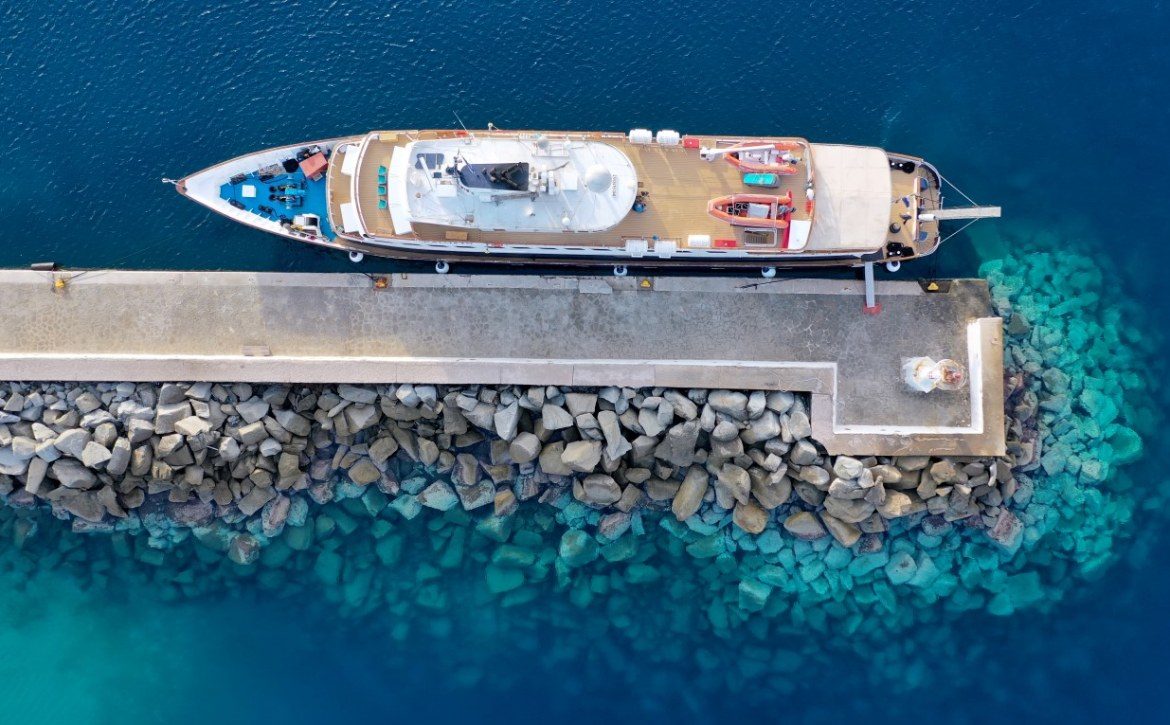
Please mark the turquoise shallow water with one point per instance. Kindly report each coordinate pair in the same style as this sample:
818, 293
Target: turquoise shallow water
1055, 112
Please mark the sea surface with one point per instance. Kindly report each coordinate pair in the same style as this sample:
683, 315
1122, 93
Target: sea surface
1055, 110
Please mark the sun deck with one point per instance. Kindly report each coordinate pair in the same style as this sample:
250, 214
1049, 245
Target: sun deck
678, 186
866, 202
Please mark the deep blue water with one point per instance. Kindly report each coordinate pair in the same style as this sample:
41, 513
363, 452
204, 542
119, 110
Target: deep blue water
1055, 112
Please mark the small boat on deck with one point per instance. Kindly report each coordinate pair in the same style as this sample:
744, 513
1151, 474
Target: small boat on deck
765, 158
756, 211
586, 198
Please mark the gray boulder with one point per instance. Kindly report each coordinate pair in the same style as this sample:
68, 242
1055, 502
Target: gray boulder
11, 464
507, 420
87, 402
844, 532
684, 407
582, 456
139, 430
293, 422
853, 511
846, 467
364, 472
690, 494
252, 433
524, 448
755, 404
438, 496
750, 517
252, 410
166, 415
192, 426
579, 403
733, 482
255, 500
550, 459
360, 416
72, 442
476, 495
804, 525
356, 394
779, 401
799, 425
72, 474
766, 426
94, 455
648, 420
616, 445
678, 447
803, 453
35, 476
599, 489
466, 470
729, 402
724, 431
555, 417
383, 448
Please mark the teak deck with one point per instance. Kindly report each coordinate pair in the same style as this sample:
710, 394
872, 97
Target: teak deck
678, 182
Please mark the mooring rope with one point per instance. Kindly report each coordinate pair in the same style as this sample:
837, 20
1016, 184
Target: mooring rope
949, 183
957, 231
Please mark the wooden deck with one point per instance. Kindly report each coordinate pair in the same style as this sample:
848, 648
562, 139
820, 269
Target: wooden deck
679, 186
910, 185
678, 182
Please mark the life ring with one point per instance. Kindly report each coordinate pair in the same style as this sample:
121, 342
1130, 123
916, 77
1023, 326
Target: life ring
755, 167
356, 257
619, 270
442, 267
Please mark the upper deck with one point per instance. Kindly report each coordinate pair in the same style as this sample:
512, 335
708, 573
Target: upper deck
853, 187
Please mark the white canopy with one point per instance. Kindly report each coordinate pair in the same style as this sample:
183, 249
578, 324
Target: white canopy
350, 221
853, 197
568, 186
350, 162
397, 192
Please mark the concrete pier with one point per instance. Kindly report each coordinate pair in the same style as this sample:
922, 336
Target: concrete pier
799, 335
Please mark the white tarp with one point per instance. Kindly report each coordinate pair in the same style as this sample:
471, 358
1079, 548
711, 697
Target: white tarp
798, 233
396, 190
350, 221
350, 162
853, 197
597, 186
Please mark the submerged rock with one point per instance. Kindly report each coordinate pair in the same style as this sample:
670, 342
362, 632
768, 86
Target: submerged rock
804, 525
577, 548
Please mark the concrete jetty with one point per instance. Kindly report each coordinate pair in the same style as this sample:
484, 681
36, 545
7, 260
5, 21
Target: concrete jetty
798, 335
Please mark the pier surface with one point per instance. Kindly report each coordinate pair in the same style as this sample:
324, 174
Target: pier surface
799, 335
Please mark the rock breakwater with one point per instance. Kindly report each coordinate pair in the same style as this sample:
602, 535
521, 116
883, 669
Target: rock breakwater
238, 464
700, 529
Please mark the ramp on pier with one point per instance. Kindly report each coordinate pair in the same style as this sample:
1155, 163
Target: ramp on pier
799, 335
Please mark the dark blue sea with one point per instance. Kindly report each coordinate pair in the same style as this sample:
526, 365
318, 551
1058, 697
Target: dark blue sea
1055, 110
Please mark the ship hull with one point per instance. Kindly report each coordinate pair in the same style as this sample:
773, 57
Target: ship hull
206, 188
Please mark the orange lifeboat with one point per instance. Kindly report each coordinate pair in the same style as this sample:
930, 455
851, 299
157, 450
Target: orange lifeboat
759, 211
770, 157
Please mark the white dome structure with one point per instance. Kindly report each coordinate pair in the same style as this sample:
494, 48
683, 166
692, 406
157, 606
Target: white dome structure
598, 178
